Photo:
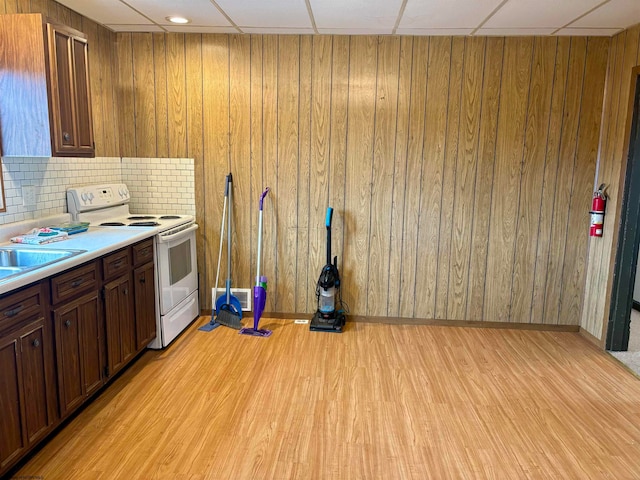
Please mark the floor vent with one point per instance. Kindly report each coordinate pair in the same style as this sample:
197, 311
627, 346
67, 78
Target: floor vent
244, 295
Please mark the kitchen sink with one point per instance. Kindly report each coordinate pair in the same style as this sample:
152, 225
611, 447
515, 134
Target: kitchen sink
8, 271
16, 260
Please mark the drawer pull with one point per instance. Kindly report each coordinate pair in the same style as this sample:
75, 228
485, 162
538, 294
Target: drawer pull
36, 343
14, 312
77, 283
67, 323
118, 264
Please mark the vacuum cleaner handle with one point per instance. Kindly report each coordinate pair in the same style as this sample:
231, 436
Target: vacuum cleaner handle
328, 224
329, 215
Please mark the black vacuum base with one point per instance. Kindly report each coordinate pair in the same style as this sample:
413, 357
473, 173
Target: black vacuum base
330, 323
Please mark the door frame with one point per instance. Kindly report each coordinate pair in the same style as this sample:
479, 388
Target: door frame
626, 258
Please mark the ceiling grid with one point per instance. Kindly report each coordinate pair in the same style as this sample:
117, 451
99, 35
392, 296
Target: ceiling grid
378, 17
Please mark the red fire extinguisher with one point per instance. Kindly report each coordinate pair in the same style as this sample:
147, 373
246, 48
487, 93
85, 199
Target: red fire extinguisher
597, 211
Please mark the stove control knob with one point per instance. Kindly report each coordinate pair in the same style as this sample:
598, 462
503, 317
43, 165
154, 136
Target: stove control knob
90, 197
84, 197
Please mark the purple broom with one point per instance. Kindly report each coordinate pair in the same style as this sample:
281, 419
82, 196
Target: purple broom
260, 288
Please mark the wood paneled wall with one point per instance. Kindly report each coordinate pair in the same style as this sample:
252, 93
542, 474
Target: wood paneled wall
101, 66
624, 55
460, 169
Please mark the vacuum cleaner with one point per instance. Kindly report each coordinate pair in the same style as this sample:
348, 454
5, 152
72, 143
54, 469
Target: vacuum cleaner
330, 316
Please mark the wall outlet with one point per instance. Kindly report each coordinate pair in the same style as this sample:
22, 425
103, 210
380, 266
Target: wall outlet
244, 295
29, 195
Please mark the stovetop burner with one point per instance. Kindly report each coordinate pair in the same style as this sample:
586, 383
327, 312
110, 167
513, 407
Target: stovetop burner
144, 224
112, 224
141, 217
170, 217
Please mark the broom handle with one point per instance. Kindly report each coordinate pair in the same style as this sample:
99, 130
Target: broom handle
229, 240
224, 212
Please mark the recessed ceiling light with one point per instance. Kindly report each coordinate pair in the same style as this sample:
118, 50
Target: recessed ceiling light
176, 19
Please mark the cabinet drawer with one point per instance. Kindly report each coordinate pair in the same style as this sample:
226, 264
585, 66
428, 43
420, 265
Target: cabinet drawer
142, 252
116, 264
18, 307
69, 284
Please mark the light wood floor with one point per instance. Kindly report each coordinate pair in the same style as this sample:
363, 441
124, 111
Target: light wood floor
376, 402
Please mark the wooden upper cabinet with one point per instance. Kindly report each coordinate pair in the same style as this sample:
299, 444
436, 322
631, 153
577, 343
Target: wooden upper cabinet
45, 100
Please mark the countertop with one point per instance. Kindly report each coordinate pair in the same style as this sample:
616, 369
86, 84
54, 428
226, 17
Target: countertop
97, 241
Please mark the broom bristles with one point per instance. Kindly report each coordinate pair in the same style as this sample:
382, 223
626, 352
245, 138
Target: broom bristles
229, 319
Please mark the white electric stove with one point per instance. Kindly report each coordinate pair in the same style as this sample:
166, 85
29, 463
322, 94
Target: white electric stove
176, 270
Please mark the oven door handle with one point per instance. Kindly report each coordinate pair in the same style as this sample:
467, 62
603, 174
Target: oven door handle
170, 237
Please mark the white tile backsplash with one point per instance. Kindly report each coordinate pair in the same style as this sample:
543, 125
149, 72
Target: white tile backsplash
148, 180
160, 185
50, 177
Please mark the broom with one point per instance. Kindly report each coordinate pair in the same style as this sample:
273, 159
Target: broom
228, 307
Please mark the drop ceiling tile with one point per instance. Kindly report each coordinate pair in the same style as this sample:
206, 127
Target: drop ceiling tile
200, 12
261, 13
355, 31
452, 32
616, 13
513, 32
355, 14
278, 31
135, 28
591, 32
198, 29
106, 11
539, 13
446, 13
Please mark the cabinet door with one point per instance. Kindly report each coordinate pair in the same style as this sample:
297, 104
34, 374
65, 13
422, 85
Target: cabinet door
12, 442
145, 305
91, 342
72, 131
79, 353
84, 139
38, 394
69, 358
121, 328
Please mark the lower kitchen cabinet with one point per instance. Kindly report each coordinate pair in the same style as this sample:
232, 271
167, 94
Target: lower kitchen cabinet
27, 387
11, 439
145, 305
62, 338
38, 381
78, 350
120, 323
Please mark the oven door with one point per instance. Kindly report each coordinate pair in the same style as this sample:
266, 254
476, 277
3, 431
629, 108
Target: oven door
176, 266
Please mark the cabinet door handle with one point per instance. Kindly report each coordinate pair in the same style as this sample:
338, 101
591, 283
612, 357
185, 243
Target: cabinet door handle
66, 136
67, 323
14, 312
77, 283
142, 280
36, 343
126, 291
